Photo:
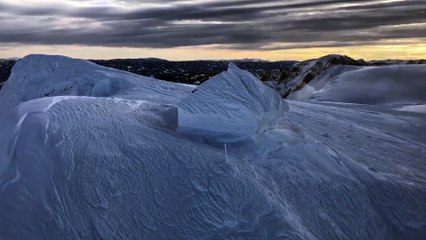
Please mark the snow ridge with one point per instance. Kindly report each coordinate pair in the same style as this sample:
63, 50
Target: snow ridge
396, 84
232, 106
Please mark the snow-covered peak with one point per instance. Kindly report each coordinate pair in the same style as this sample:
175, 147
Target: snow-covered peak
399, 84
231, 106
297, 76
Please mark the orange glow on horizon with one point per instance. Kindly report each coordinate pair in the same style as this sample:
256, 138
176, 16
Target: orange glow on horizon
416, 50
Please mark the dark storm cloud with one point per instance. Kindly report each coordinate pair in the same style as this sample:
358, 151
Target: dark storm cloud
240, 24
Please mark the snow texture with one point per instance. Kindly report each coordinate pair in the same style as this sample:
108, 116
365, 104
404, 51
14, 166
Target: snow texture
99, 166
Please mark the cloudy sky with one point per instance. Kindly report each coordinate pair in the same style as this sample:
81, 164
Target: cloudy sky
206, 29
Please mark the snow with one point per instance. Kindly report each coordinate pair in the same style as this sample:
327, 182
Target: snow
108, 164
38, 76
302, 73
232, 106
396, 84
418, 108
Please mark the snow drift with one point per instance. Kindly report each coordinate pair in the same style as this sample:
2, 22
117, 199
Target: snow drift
38, 76
109, 165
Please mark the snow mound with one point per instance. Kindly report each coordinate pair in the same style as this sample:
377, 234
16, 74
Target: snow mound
37, 76
232, 106
398, 84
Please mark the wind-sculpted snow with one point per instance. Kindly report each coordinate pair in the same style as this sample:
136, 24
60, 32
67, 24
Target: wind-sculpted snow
232, 106
77, 167
37, 76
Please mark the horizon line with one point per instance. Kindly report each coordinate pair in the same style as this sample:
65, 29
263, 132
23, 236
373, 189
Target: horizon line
213, 59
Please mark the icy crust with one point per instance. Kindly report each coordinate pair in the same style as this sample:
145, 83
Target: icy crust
232, 106
37, 76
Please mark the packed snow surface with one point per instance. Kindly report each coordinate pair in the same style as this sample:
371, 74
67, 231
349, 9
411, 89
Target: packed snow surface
103, 160
401, 84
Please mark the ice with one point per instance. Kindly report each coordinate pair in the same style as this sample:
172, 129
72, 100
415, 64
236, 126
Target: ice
113, 167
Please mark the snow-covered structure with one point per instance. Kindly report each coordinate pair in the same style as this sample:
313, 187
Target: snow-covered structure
87, 152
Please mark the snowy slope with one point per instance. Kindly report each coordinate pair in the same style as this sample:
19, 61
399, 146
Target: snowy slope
111, 166
397, 84
295, 77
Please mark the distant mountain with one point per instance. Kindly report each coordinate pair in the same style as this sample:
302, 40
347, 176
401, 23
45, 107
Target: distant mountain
295, 77
372, 85
292, 79
396, 62
284, 76
194, 72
